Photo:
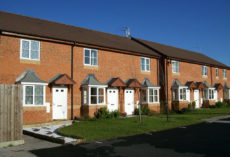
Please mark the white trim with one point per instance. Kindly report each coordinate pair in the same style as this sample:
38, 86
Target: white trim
97, 88
21, 57
203, 68
102, 86
175, 72
217, 72
90, 64
147, 95
24, 95
224, 71
31, 83
145, 70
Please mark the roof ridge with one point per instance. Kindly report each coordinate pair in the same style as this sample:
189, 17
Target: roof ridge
69, 25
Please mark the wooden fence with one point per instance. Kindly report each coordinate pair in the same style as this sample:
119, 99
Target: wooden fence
10, 114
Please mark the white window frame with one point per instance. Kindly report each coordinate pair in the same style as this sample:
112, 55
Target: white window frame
184, 88
21, 57
175, 67
33, 85
204, 70
90, 57
217, 73
148, 95
224, 74
145, 65
89, 94
208, 93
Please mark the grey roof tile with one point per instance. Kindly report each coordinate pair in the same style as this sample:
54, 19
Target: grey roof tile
29, 76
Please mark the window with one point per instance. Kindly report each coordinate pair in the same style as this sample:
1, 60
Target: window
179, 94
204, 71
208, 94
34, 95
175, 67
30, 49
90, 57
150, 95
145, 64
97, 95
84, 96
224, 74
217, 72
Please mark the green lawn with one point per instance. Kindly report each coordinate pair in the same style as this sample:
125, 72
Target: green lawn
112, 128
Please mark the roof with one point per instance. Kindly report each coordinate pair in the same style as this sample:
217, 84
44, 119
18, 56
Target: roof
176, 83
181, 54
115, 82
191, 84
62, 79
207, 85
29, 76
42, 28
200, 85
133, 83
147, 83
91, 80
218, 86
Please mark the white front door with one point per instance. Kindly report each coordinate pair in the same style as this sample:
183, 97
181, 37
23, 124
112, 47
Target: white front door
59, 103
112, 99
188, 95
215, 95
129, 101
196, 98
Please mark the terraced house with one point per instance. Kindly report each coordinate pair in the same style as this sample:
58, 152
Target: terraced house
69, 72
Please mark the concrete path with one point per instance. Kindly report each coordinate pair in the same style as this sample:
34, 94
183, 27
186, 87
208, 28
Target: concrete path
31, 143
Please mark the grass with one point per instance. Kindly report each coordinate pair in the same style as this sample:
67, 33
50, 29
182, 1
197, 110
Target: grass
112, 128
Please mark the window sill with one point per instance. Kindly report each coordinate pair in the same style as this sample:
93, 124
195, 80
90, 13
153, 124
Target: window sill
28, 61
224, 78
175, 73
204, 76
146, 72
34, 105
91, 67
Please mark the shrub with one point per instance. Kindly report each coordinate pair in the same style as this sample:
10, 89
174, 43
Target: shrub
151, 113
144, 111
103, 113
190, 106
183, 110
221, 104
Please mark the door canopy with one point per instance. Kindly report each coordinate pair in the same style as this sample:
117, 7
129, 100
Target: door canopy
218, 86
115, 82
61, 79
191, 84
133, 83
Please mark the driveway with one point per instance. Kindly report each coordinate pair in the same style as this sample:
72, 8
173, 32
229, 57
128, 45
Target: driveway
200, 140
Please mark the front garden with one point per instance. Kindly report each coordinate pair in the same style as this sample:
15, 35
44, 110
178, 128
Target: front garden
113, 125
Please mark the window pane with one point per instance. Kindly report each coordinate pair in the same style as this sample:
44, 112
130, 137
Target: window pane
147, 68
101, 99
25, 53
87, 60
93, 61
93, 99
147, 61
142, 67
29, 95
25, 45
35, 45
155, 98
38, 95
34, 55
87, 53
142, 61
150, 91
150, 98
84, 96
94, 91
101, 91
94, 53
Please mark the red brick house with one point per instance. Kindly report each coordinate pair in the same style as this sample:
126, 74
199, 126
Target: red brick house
69, 72
188, 76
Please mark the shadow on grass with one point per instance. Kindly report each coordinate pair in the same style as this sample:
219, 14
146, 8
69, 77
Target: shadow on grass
200, 140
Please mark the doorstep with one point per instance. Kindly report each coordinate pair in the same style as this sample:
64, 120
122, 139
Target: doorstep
48, 131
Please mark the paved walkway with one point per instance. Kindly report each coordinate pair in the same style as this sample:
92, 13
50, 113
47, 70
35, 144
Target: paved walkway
48, 131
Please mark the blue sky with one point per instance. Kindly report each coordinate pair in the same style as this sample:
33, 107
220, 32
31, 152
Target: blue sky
197, 25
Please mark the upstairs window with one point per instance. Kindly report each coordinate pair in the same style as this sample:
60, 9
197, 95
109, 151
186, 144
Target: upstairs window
217, 73
30, 49
204, 71
145, 64
90, 57
175, 67
224, 74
